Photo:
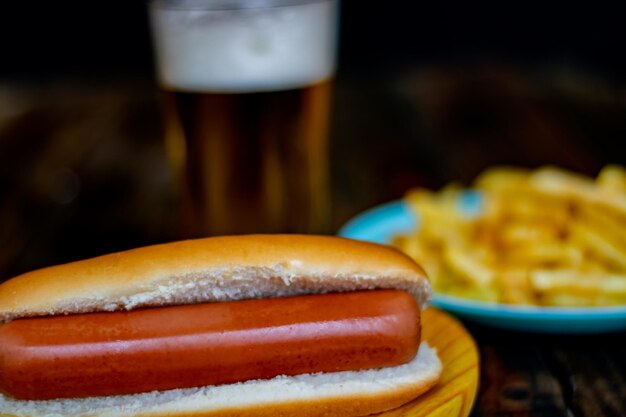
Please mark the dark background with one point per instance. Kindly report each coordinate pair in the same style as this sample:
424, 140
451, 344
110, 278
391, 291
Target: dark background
427, 93
45, 40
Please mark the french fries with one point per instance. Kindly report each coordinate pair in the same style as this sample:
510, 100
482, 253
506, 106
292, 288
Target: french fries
544, 237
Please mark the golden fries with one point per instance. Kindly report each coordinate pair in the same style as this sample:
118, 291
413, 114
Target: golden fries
542, 237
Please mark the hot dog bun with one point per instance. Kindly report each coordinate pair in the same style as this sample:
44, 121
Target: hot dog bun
212, 269
223, 269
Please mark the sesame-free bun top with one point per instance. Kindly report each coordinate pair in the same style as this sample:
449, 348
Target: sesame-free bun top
211, 269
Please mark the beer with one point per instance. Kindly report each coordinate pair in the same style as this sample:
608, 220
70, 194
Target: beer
247, 94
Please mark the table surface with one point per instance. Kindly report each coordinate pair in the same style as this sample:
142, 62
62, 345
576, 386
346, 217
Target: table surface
83, 172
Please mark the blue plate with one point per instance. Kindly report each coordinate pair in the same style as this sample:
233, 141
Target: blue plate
381, 223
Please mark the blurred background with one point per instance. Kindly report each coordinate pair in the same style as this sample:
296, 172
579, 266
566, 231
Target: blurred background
426, 93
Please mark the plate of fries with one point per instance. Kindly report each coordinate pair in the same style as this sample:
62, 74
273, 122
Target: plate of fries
536, 250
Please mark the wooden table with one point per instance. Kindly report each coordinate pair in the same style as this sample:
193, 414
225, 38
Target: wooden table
83, 172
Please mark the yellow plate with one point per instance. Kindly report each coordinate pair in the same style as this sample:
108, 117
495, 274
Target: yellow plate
456, 391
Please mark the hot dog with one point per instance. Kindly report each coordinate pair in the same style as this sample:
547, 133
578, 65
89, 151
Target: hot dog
206, 344
198, 327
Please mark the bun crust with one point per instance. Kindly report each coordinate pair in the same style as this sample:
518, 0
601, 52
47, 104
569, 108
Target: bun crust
211, 269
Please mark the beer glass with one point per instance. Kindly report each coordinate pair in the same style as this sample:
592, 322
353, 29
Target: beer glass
247, 88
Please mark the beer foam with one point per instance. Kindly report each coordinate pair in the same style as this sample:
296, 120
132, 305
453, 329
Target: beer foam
246, 50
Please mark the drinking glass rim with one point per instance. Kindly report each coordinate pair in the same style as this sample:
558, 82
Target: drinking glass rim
217, 5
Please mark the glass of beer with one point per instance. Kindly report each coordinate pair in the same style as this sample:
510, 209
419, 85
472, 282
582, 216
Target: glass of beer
247, 88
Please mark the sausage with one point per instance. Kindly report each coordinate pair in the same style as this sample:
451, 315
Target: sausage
205, 344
